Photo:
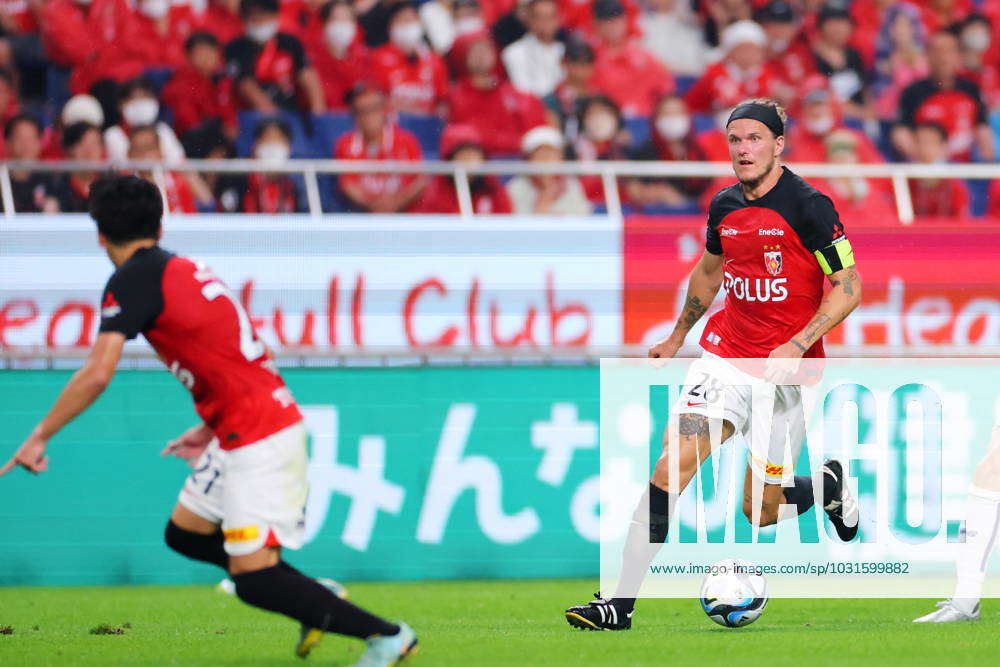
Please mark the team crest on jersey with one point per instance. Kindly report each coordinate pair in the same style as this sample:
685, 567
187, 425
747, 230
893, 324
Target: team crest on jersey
772, 261
110, 307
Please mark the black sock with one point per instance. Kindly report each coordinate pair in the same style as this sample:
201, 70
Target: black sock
301, 598
800, 495
646, 535
206, 548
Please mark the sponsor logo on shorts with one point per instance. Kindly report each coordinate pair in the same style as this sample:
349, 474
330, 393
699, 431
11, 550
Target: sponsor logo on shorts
241, 534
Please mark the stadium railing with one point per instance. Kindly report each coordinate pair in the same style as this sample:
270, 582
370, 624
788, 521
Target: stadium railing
609, 172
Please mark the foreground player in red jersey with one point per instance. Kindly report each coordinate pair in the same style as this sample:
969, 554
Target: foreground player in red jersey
771, 239
245, 499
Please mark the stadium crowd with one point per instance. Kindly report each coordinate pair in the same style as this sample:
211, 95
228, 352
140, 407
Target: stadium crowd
471, 80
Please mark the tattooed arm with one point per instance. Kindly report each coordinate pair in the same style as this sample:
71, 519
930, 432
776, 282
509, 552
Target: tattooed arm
838, 304
706, 278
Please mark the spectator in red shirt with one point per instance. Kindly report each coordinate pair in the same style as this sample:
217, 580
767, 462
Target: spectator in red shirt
144, 144
92, 39
742, 74
788, 51
80, 141
138, 106
269, 68
500, 112
946, 197
412, 73
199, 92
670, 140
820, 115
221, 18
624, 70
602, 137
464, 144
157, 31
869, 199
375, 137
271, 192
980, 56
947, 99
339, 54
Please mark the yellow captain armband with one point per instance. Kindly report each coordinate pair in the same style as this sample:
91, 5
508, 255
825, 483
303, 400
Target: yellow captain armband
835, 257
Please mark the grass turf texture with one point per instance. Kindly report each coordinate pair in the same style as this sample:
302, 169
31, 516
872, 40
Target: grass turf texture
466, 623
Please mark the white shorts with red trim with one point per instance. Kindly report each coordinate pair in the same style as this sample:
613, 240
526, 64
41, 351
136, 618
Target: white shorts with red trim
257, 492
770, 417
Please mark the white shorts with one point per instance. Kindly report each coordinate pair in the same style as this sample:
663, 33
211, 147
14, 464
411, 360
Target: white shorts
257, 492
716, 389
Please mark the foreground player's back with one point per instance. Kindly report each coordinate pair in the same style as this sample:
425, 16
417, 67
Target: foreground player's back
204, 336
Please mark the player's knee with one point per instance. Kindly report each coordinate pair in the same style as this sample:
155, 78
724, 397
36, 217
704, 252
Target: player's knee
987, 474
177, 538
768, 514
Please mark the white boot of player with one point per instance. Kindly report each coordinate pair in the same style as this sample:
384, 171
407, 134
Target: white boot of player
950, 611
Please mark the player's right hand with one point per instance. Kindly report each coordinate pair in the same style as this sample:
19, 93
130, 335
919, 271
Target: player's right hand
189, 445
665, 349
30, 455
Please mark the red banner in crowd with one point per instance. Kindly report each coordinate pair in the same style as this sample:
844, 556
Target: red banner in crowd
932, 283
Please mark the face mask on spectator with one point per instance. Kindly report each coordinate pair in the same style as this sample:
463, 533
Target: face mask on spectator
272, 151
141, 112
673, 127
407, 36
340, 34
820, 125
976, 40
600, 126
468, 24
262, 32
155, 9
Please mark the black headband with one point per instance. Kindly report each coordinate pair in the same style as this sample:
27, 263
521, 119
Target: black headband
760, 112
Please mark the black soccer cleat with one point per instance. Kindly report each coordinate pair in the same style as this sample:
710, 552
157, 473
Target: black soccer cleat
842, 508
599, 614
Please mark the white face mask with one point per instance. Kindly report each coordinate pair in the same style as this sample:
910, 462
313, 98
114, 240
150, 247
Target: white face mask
340, 34
468, 24
673, 127
600, 127
976, 40
155, 9
262, 32
819, 125
272, 151
407, 36
142, 111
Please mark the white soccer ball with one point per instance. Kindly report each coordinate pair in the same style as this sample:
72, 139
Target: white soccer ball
734, 593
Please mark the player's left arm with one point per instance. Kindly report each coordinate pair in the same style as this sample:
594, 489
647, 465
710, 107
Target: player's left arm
843, 298
82, 389
823, 234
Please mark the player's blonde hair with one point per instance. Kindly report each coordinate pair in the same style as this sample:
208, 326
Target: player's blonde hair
768, 102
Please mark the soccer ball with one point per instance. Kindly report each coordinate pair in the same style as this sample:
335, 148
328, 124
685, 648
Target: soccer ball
733, 593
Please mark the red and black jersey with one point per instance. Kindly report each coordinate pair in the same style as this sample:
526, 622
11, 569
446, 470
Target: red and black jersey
958, 110
206, 340
776, 250
274, 65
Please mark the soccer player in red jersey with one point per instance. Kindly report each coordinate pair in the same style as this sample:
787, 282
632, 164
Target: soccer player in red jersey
772, 240
245, 498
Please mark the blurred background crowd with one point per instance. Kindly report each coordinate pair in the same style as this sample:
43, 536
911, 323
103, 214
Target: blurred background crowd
471, 80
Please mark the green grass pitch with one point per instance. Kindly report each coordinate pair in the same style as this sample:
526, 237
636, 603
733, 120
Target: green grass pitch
475, 623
